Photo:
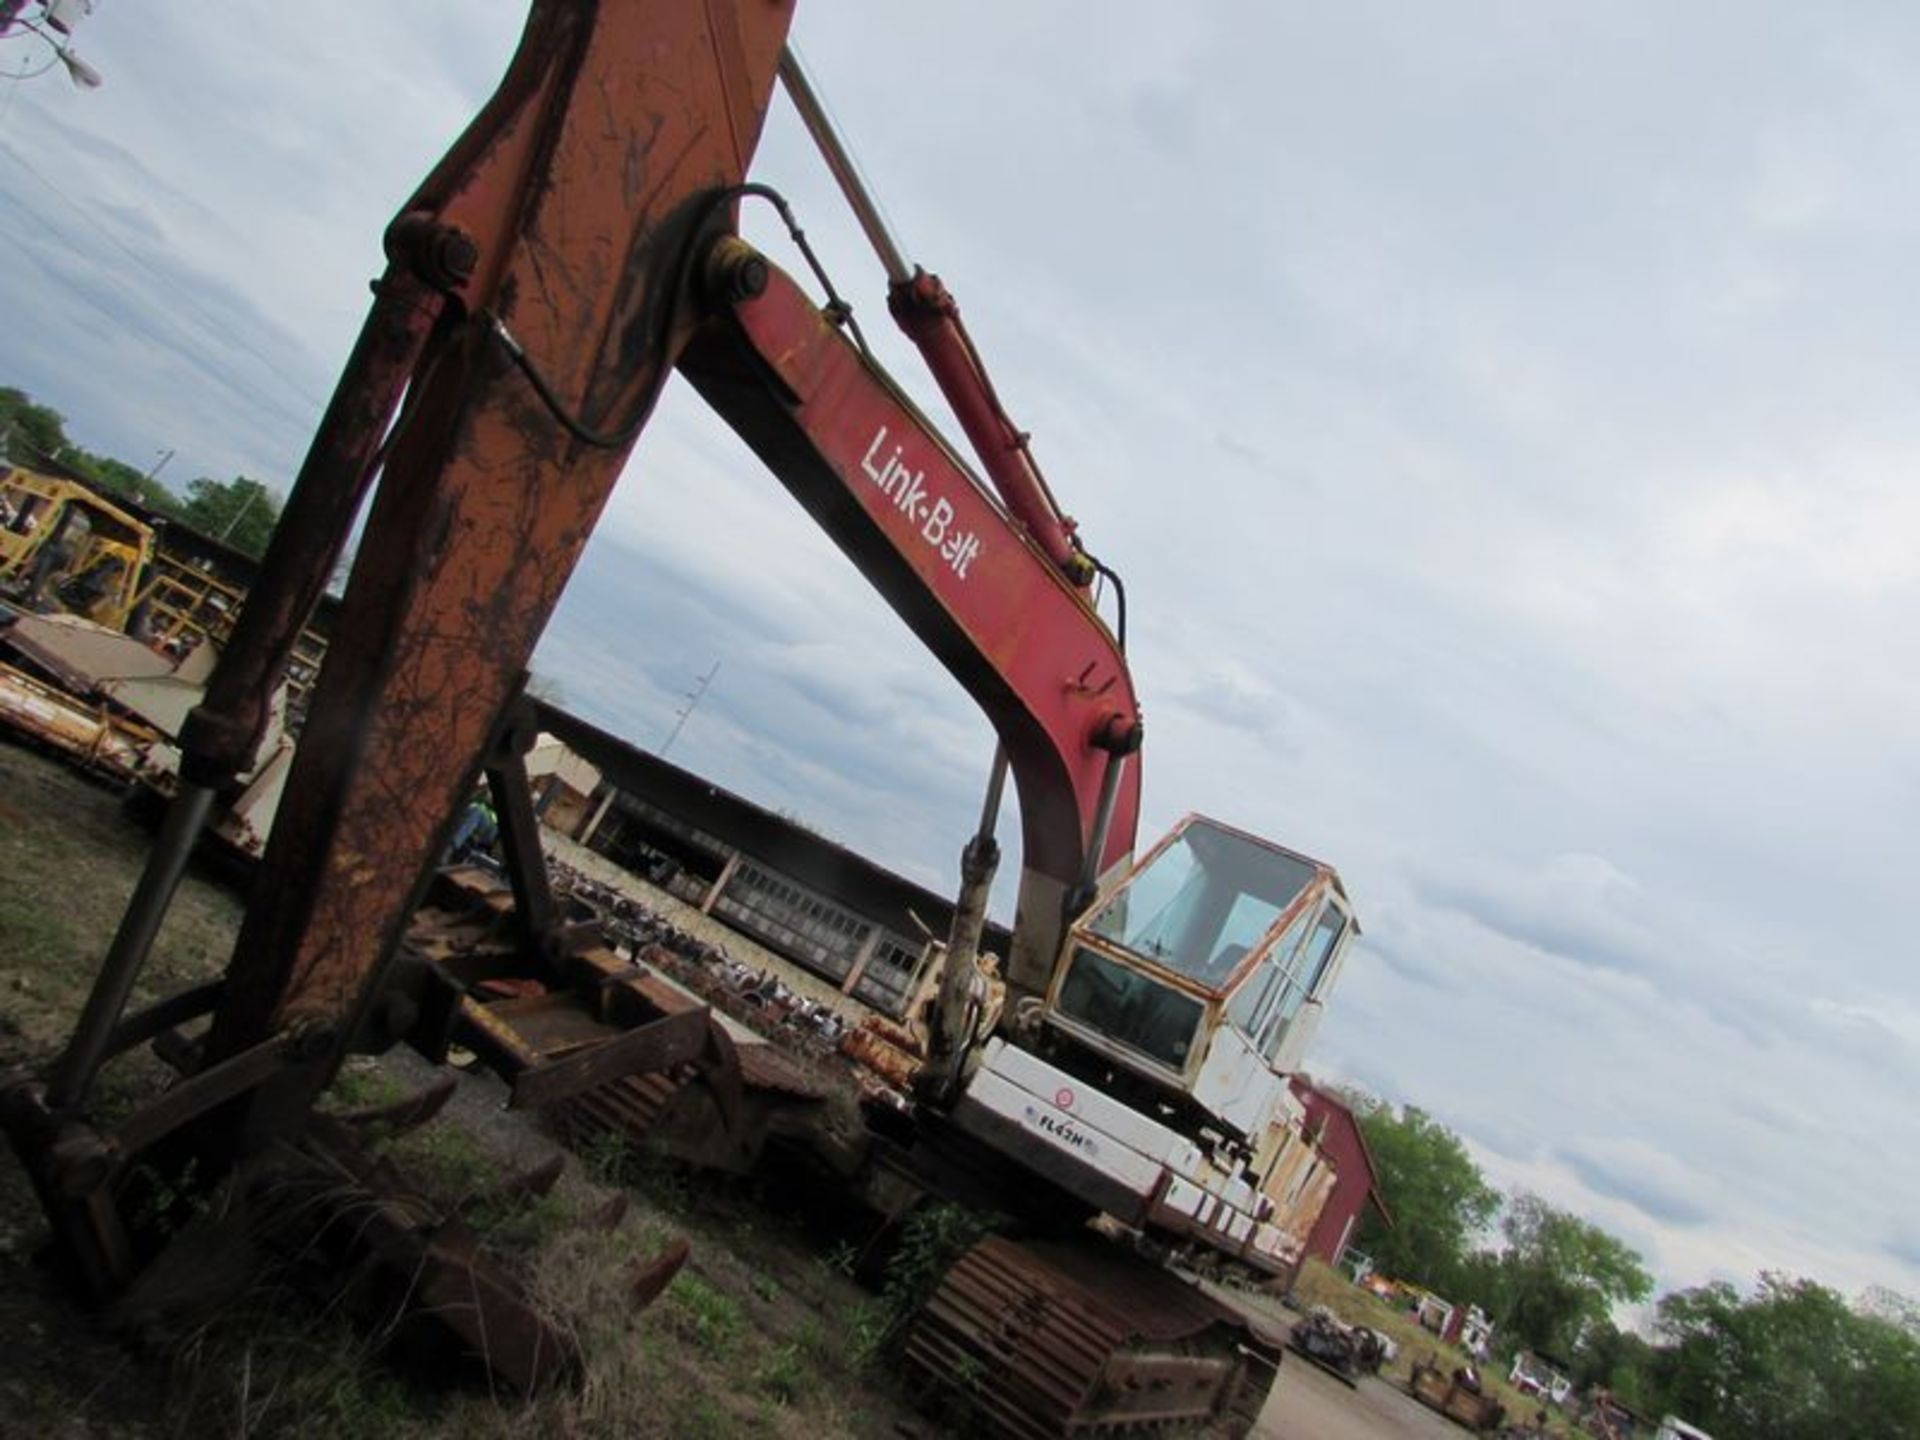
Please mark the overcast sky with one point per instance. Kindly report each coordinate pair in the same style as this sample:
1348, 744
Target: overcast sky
1502, 414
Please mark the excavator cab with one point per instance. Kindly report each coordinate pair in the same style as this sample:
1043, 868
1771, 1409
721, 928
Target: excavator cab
1153, 1083
1206, 965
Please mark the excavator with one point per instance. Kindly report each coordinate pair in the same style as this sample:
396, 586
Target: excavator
578, 244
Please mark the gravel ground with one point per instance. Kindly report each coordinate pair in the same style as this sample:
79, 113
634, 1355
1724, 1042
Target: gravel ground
1309, 1404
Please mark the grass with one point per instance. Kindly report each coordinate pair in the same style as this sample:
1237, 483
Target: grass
1320, 1284
695, 1309
786, 1373
750, 1341
71, 861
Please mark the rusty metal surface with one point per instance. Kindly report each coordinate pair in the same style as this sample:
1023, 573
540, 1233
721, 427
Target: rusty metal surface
1048, 1341
555, 1024
767, 1067
882, 1048
1454, 1396
628, 1109
660, 1046
647, 1280
534, 913
329, 1191
88, 733
572, 1052
204, 1090
579, 227
1146, 1299
221, 734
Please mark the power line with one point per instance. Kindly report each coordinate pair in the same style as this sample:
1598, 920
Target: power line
192, 350
693, 699
170, 284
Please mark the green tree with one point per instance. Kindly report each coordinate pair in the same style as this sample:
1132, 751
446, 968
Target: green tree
240, 511
1793, 1362
123, 479
1622, 1362
1559, 1276
36, 437
1438, 1199
34, 433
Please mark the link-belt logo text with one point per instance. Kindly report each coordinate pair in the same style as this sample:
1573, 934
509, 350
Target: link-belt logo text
933, 515
1061, 1131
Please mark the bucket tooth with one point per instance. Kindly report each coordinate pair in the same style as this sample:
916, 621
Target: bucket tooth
648, 1279
400, 1116
531, 1183
607, 1216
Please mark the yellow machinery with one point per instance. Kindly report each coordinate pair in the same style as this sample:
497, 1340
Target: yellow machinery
64, 547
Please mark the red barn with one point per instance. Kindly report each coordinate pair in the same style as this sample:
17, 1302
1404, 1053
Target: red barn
1337, 1136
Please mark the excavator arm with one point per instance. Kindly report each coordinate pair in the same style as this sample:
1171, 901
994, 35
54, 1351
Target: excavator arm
565, 300
575, 244
972, 582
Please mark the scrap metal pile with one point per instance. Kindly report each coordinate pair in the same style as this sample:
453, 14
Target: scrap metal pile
1344, 1351
759, 998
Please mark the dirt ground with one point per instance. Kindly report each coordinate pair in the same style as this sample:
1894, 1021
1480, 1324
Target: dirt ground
1309, 1404
763, 1333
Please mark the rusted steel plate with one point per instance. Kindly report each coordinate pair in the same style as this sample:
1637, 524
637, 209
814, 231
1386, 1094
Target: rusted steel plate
553, 1024
1145, 1299
653, 1048
766, 1067
629, 1107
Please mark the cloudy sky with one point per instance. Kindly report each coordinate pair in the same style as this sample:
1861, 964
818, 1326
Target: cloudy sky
1502, 415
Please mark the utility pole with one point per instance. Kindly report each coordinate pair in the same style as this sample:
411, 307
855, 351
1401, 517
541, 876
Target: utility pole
254, 492
693, 699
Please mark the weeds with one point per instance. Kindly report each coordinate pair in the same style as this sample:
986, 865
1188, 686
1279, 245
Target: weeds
933, 1237
784, 1375
166, 1201
517, 1224
446, 1161
869, 1328
709, 1318
362, 1083
613, 1160
270, 1343
276, 1361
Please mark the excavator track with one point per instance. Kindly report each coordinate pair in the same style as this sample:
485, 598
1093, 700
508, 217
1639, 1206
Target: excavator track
1083, 1338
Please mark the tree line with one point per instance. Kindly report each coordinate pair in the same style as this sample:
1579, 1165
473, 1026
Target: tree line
1790, 1359
240, 512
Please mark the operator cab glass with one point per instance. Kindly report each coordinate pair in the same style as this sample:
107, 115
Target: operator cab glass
1203, 901
1210, 916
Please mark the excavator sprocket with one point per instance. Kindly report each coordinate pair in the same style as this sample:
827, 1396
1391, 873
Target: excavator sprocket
1042, 1341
